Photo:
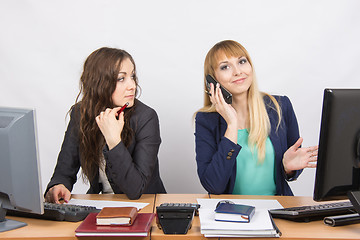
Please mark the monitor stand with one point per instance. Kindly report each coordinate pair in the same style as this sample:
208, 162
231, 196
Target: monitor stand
8, 224
354, 197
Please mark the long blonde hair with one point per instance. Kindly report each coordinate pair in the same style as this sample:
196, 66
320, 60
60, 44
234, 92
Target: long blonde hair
258, 120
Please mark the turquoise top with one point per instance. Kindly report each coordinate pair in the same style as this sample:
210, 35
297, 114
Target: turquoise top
252, 177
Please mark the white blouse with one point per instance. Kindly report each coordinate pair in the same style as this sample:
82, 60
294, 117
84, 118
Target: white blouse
104, 180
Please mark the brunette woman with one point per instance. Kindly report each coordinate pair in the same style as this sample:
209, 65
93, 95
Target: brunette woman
117, 151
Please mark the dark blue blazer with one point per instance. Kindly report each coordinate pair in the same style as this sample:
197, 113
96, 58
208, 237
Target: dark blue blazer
216, 155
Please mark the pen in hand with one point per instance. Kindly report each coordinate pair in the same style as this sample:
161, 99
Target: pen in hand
122, 109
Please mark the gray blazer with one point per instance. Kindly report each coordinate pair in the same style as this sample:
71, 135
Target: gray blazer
133, 170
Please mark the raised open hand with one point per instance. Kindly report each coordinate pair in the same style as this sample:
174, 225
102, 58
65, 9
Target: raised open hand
296, 158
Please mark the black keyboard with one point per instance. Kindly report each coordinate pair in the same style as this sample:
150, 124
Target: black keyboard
58, 212
312, 213
179, 206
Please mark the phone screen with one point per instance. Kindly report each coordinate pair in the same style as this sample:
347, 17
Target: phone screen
227, 95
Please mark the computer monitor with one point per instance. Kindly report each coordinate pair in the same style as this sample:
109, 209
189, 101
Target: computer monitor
338, 172
20, 181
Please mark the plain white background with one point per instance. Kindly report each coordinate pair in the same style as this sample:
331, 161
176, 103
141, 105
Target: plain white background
298, 49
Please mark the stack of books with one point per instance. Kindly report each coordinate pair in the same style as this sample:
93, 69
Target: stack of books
117, 221
257, 221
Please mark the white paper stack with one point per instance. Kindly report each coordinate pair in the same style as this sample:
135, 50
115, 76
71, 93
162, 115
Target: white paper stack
261, 225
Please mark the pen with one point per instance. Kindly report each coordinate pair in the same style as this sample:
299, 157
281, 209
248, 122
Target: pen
274, 225
122, 108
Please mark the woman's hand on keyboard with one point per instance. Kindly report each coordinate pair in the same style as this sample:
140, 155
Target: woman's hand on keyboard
56, 193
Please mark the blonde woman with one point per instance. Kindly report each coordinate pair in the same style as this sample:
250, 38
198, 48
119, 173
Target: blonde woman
251, 146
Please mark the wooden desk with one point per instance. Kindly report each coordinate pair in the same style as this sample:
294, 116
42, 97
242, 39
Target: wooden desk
299, 231
43, 229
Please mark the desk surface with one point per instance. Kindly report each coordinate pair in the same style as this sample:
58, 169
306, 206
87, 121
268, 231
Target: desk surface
194, 232
298, 231
42, 229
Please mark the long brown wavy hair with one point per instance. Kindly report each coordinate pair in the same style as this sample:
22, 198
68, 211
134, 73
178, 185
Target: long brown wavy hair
97, 84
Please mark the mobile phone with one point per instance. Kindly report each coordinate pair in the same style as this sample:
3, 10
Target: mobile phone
227, 95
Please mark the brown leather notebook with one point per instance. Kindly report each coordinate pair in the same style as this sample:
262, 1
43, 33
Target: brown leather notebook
117, 216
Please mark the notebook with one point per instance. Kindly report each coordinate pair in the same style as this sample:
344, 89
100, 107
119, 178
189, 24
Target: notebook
117, 216
140, 227
232, 212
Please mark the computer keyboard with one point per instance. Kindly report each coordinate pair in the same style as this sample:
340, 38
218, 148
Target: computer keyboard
315, 212
58, 212
179, 206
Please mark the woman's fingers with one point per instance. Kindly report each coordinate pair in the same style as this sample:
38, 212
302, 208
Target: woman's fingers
298, 143
313, 155
220, 95
212, 92
310, 165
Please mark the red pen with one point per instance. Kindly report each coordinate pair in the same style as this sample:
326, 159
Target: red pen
122, 108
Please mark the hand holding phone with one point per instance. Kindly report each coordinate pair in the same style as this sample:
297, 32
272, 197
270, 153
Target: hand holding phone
226, 94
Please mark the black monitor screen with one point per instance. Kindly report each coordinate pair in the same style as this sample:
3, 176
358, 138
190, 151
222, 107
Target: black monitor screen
337, 170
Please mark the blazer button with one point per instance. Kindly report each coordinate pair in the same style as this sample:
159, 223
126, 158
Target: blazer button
228, 157
232, 150
230, 154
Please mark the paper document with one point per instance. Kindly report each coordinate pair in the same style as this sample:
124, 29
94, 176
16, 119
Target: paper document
99, 204
260, 225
